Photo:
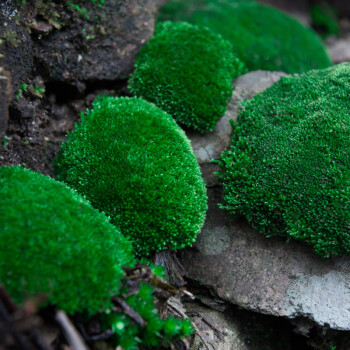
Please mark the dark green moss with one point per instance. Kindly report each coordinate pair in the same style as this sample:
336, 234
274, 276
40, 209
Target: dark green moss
263, 37
186, 71
133, 162
288, 170
52, 241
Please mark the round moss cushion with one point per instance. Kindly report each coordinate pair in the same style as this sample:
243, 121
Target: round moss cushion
288, 170
262, 36
187, 71
133, 162
53, 242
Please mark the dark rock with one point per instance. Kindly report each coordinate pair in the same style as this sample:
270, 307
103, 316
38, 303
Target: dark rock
100, 47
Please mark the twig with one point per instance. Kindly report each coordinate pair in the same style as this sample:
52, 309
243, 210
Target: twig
127, 310
73, 337
183, 315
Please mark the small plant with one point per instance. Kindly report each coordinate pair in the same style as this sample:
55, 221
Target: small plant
133, 162
262, 37
153, 332
288, 168
19, 92
186, 71
54, 242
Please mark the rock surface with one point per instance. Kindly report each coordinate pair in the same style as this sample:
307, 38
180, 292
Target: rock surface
339, 49
264, 275
102, 49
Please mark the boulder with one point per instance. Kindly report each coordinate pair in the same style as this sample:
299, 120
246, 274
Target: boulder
265, 275
100, 44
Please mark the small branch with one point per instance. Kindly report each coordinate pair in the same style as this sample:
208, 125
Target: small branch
74, 339
127, 310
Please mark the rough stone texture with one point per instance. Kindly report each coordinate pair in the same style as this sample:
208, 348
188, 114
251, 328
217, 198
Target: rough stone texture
99, 48
223, 334
15, 46
209, 146
339, 49
268, 275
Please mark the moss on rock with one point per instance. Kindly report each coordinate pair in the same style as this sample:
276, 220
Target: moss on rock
288, 170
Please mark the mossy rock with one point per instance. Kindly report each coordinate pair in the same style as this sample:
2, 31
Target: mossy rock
53, 242
263, 37
187, 71
288, 170
133, 162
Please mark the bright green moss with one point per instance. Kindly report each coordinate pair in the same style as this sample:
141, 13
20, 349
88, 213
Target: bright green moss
263, 37
288, 170
52, 241
186, 71
156, 333
132, 161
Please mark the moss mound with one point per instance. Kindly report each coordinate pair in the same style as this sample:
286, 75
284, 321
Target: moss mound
288, 170
133, 162
187, 71
263, 37
54, 242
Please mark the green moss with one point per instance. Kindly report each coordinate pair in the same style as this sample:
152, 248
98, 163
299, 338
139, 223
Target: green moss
52, 241
288, 170
186, 71
156, 333
324, 18
133, 162
263, 37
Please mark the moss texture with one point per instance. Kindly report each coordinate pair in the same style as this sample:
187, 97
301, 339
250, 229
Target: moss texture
187, 71
133, 162
288, 170
52, 241
263, 37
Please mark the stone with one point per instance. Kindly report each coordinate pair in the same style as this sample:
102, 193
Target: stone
339, 49
243, 267
267, 275
217, 330
102, 47
209, 146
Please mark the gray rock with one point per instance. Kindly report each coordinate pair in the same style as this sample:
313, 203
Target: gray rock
209, 146
339, 49
265, 275
243, 267
217, 330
